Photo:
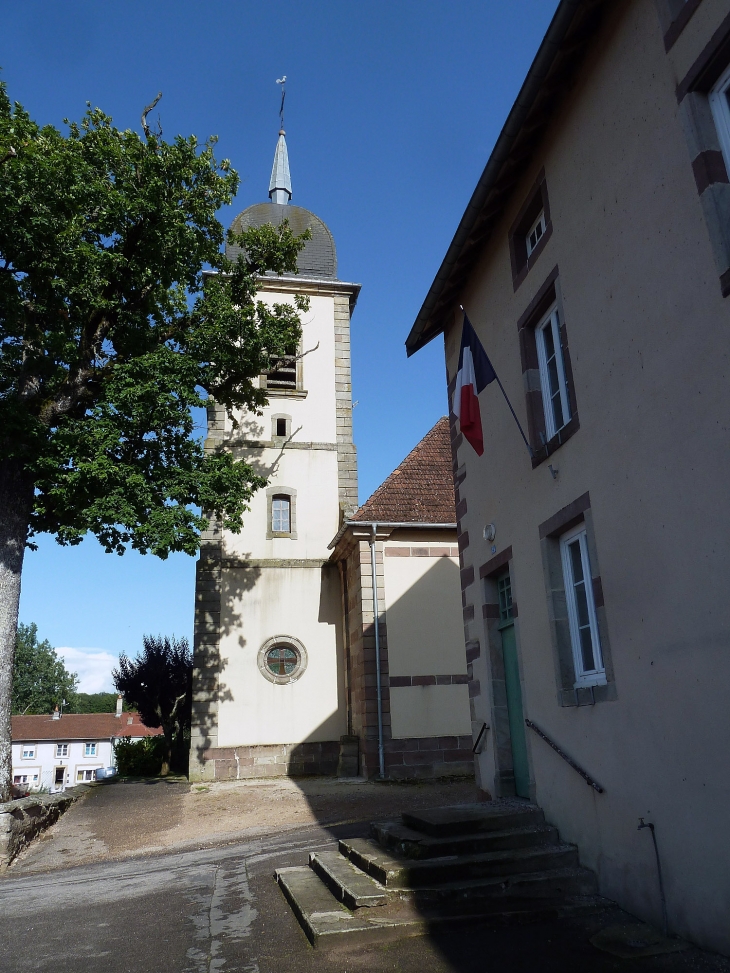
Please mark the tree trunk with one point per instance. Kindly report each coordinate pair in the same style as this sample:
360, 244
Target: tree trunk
16, 499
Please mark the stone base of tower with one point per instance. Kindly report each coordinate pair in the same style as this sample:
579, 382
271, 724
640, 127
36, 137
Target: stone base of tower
268, 760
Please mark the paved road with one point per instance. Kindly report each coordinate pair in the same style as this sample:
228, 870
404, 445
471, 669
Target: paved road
218, 909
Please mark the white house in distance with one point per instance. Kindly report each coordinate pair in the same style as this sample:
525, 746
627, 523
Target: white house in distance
53, 752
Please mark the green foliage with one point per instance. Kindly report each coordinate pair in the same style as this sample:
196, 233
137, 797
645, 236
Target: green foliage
111, 332
96, 703
143, 758
40, 679
159, 685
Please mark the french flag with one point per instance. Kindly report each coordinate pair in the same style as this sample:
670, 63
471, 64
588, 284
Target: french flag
474, 374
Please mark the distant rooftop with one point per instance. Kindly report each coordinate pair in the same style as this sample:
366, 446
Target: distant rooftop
421, 489
79, 726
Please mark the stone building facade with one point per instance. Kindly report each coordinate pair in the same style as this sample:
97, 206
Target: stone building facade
593, 263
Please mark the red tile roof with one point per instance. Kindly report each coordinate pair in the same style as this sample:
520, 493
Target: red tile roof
79, 726
421, 489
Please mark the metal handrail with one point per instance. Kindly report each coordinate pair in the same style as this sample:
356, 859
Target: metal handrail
569, 760
479, 738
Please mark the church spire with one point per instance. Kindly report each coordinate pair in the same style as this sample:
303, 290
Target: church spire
280, 185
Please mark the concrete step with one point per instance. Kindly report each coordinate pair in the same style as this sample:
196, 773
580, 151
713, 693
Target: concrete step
327, 922
318, 911
396, 837
445, 822
553, 884
402, 873
346, 882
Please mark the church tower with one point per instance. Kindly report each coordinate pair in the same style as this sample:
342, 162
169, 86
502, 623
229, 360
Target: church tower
269, 680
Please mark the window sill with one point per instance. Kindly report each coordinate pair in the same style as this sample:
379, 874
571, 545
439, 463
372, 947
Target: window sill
286, 535
588, 695
560, 437
286, 393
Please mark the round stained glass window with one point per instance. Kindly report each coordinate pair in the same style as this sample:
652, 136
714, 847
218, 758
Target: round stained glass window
282, 659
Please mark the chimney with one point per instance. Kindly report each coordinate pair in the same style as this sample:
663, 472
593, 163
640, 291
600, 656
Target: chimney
118, 713
56, 714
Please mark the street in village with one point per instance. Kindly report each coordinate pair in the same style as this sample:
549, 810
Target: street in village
158, 876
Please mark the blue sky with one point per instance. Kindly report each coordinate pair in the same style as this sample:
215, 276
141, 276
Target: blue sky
392, 110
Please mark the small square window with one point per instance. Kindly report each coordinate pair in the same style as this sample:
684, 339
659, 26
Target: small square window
28, 753
281, 515
89, 749
530, 231
62, 750
585, 641
535, 233
720, 105
281, 427
553, 383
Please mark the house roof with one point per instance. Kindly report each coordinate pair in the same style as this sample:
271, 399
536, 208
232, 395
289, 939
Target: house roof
79, 726
421, 489
551, 74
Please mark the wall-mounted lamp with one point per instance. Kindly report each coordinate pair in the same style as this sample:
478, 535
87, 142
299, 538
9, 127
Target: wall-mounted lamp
489, 533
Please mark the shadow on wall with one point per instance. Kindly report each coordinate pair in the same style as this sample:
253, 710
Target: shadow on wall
214, 619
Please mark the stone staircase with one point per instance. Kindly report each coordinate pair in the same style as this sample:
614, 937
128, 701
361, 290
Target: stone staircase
497, 861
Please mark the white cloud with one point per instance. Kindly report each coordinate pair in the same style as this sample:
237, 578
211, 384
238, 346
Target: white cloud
93, 666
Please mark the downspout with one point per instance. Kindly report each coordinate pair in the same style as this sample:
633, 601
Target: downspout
342, 565
376, 620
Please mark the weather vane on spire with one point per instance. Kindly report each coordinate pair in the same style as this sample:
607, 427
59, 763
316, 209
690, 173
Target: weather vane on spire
282, 82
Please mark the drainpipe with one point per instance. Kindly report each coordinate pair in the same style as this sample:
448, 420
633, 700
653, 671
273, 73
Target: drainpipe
376, 620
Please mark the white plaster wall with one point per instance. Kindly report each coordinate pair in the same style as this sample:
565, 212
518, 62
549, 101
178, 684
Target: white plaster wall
313, 418
423, 616
313, 474
299, 602
429, 711
45, 762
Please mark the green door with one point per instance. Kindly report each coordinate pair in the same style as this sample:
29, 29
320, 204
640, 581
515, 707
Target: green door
513, 690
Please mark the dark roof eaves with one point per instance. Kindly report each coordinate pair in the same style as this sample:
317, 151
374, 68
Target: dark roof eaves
420, 334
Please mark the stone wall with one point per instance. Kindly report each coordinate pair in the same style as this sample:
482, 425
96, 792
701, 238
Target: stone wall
22, 820
272, 760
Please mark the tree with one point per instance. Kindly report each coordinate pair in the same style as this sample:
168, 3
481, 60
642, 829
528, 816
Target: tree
111, 333
96, 703
40, 679
159, 684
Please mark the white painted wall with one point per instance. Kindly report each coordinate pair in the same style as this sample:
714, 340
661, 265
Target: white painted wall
299, 602
40, 770
263, 601
429, 711
425, 635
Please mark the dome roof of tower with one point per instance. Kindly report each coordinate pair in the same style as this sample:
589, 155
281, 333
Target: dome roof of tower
317, 259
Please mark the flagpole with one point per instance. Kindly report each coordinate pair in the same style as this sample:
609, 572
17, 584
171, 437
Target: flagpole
506, 399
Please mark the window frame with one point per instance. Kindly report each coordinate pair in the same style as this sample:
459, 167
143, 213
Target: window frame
547, 299
719, 98
583, 676
552, 320
535, 208
61, 750
281, 505
280, 491
277, 642
539, 222
296, 390
28, 752
90, 749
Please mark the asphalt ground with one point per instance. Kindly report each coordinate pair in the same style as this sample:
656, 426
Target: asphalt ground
217, 908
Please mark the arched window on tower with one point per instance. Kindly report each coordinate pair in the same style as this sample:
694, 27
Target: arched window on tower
280, 514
